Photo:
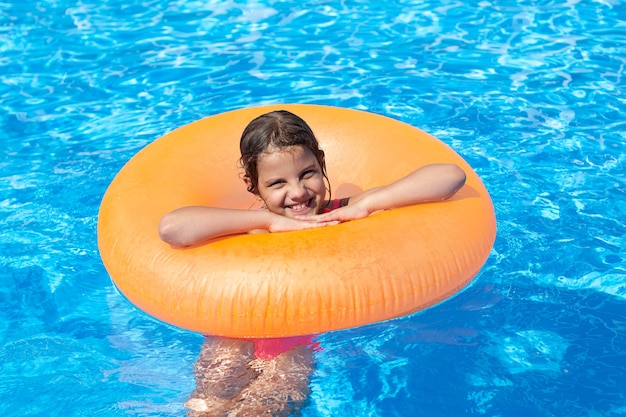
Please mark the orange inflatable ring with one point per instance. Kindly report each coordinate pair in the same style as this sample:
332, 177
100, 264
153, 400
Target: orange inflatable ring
285, 284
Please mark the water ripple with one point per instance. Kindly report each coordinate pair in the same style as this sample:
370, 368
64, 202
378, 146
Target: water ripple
529, 92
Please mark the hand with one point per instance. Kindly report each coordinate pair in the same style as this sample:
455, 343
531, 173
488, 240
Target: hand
286, 224
343, 214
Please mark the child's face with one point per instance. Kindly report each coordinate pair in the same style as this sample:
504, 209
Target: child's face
291, 181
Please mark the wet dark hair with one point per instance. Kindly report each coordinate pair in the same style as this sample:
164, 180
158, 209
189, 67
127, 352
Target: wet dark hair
279, 129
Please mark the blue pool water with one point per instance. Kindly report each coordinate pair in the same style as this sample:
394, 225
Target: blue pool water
530, 92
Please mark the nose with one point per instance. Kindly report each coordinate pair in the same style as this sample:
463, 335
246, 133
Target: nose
298, 192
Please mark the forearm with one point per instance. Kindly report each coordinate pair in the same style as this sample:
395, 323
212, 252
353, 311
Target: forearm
430, 183
191, 225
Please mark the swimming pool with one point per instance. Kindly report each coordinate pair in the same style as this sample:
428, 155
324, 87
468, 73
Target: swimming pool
531, 93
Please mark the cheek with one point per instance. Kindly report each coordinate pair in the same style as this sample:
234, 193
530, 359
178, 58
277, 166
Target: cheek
271, 197
321, 187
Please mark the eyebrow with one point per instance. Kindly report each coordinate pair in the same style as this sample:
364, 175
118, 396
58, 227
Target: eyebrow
312, 166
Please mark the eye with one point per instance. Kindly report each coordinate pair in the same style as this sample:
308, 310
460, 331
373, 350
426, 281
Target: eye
276, 184
308, 173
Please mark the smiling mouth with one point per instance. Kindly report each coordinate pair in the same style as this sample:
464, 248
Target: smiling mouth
301, 206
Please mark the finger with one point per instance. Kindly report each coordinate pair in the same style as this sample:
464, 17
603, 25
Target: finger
316, 225
316, 218
309, 218
331, 223
323, 223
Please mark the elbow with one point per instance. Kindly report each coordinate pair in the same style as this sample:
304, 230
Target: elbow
455, 178
458, 177
170, 230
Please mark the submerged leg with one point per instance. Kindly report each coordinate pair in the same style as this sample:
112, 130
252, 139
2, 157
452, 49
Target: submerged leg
281, 386
222, 371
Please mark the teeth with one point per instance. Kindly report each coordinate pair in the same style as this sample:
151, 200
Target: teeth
299, 206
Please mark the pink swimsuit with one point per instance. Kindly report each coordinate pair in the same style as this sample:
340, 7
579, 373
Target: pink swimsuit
334, 205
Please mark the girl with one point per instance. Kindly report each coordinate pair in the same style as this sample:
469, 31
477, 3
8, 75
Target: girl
284, 166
